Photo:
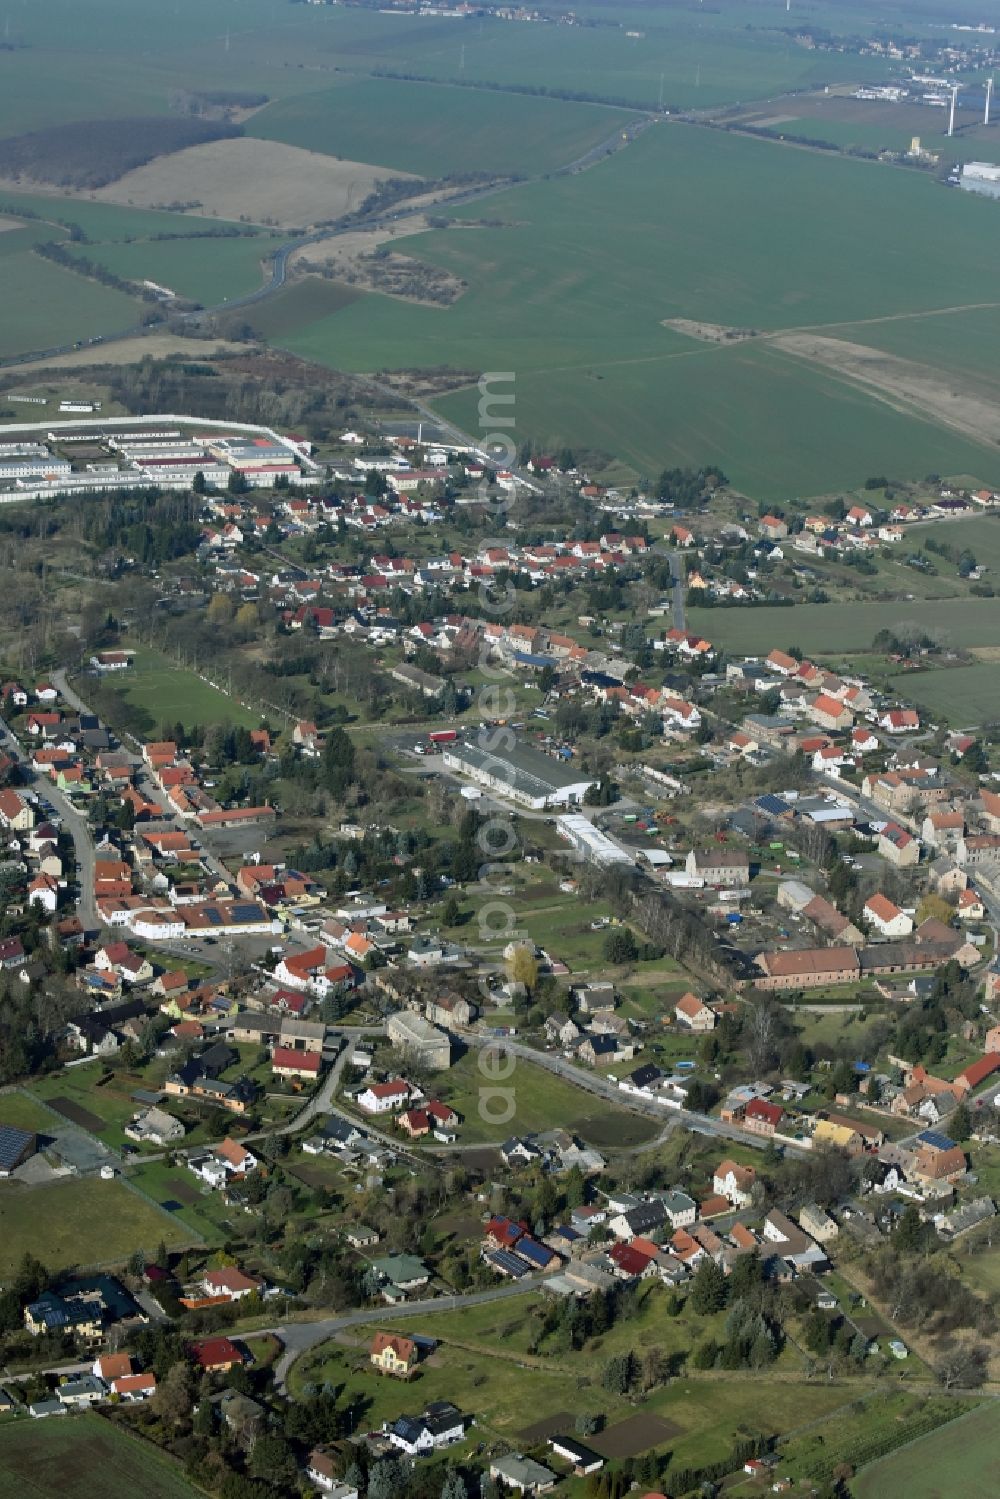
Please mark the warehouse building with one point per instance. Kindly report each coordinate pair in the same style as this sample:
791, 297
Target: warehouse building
590, 842
522, 774
981, 177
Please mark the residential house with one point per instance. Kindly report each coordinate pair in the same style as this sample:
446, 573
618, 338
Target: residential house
391, 1354
216, 1355
734, 1182
296, 1064
694, 1015
898, 846
790, 1243
383, 1098
886, 917
440, 1425
522, 1474
761, 1117
817, 1223
322, 1469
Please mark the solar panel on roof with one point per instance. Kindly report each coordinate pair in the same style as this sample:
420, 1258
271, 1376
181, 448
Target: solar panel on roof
773, 804
504, 1260
936, 1140
13, 1144
212, 916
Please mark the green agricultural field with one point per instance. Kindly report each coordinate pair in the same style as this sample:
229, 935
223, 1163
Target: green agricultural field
296, 306
51, 305
81, 1455
963, 695
958, 1458
576, 309
433, 130
102, 223
112, 60
207, 270
170, 693
46, 306
955, 342
83, 1221
824, 628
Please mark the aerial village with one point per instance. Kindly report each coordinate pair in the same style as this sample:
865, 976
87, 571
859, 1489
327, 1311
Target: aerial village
759, 1036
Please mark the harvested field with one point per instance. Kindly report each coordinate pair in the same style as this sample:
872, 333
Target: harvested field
76, 1114
635, 1434
901, 383
134, 350
263, 182
549, 1426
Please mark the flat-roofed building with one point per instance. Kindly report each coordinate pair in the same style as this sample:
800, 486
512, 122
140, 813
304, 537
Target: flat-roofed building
520, 773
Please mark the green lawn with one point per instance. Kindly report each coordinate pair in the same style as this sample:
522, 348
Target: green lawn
530, 1098
23, 1112
79, 1456
167, 693
82, 1221
484, 1351
195, 1213
110, 1101
958, 1458
504, 1397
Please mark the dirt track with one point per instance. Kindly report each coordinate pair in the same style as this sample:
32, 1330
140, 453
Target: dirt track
902, 383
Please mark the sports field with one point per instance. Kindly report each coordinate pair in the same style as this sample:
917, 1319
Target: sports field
576, 309
170, 693
83, 1221
960, 1458
79, 1456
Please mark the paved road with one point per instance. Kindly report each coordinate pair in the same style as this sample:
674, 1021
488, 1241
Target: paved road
601, 1088
677, 568
300, 1336
73, 823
